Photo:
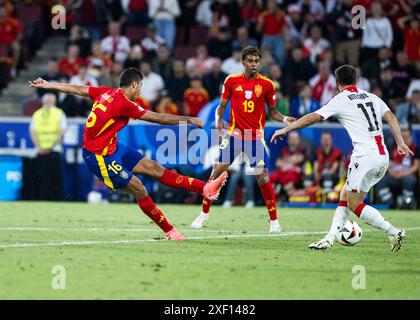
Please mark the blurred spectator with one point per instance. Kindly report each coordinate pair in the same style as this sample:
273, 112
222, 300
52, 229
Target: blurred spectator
249, 12
295, 25
289, 165
32, 104
195, 98
47, 129
272, 25
414, 85
71, 63
225, 14
68, 102
82, 78
304, 103
242, 39
98, 63
11, 35
282, 102
233, 64
377, 33
112, 10
298, 69
402, 70
220, 44
392, 90
162, 64
178, 81
323, 84
116, 45
112, 76
214, 79
275, 74
267, 60
166, 105
136, 11
151, 43
200, 64
327, 163
345, 39
240, 170
409, 112
411, 26
80, 37
204, 15
312, 7
53, 75
362, 82
402, 174
187, 19
152, 83
164, 12
89, 17
372, 67
315, 44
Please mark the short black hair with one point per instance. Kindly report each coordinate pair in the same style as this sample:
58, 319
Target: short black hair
130, 75
346, 75
250, 51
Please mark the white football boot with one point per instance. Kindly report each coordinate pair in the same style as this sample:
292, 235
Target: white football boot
275, 226
200, 220
396, 240
324, 244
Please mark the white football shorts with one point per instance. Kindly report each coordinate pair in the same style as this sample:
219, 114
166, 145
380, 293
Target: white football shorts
366, 171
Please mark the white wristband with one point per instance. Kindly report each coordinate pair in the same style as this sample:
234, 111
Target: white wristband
285, 119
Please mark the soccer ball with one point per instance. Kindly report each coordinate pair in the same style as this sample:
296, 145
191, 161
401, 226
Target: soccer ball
349, 234
94, 197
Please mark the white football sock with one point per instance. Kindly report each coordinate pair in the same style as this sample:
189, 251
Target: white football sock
374, 218
339, 219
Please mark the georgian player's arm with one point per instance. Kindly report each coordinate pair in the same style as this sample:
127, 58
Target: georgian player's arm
303, 122
392, 121
170, 119
62, 87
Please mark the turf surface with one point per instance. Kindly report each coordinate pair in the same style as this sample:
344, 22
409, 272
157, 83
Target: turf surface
109, 252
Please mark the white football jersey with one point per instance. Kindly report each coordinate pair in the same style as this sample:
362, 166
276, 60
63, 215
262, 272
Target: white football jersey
361, 113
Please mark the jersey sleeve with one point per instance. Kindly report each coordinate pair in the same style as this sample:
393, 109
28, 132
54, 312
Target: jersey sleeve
95, 92
131, 109
328, 110
270, 96
227, 90
382, 106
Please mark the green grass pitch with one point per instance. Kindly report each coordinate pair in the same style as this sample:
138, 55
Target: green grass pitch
109, 252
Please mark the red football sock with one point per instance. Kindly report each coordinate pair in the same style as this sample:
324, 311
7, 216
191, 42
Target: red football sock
269, 196
206, 205
153, 212
178, 181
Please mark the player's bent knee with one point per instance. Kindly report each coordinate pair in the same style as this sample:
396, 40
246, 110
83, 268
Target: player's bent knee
136, 188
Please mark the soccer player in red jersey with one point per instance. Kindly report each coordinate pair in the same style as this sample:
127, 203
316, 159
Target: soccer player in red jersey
114, 163
249, 93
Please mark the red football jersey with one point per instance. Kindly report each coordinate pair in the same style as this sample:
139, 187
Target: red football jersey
248, 99
111, 112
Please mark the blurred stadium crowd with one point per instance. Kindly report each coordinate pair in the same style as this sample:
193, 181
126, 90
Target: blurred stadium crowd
185, 49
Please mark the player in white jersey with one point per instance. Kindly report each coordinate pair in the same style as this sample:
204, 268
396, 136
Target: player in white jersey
361, 114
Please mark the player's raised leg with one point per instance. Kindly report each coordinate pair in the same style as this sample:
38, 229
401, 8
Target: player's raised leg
146, 204
373, 217
211, 189
217, 172
269, 197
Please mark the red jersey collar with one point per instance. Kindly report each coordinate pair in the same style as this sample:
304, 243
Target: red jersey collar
351, 89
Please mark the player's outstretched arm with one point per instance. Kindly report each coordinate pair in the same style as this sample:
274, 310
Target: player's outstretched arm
303, 122
170, 119
392, 121
62, 87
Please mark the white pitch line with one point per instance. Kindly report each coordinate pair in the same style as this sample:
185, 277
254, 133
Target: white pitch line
105, 229
99, 242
